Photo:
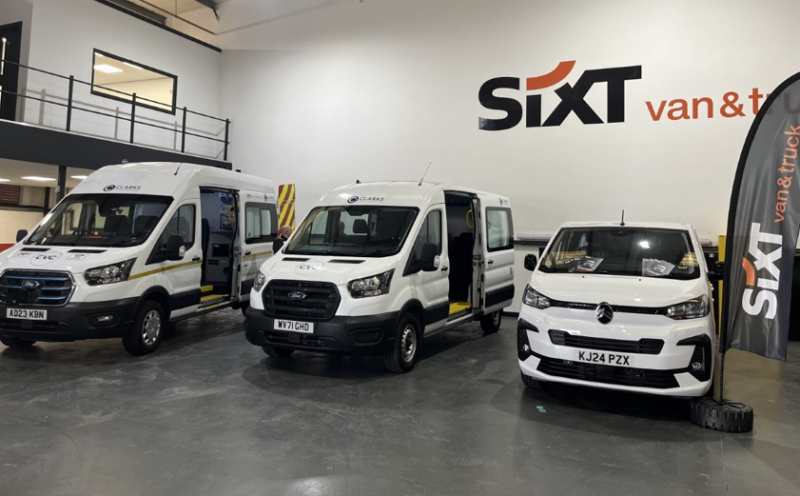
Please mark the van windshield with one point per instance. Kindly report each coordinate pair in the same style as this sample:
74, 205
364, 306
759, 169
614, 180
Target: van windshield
353, 231
623, 251
101, 220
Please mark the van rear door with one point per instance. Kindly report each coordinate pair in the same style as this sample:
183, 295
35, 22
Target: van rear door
498, 244
258, 231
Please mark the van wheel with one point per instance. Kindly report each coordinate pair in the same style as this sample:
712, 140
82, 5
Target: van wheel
277, 351
403, 356
17, 343
148, 328
532, 383
491, 323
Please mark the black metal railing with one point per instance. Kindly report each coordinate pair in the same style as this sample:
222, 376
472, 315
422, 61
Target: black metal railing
135, 99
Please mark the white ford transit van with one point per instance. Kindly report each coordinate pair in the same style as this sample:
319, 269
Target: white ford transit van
133, 247
375, 267
624, 307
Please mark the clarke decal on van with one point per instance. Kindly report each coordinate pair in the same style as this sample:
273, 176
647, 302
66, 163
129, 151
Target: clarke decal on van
354, 199
763, 284
572, 98
118, 187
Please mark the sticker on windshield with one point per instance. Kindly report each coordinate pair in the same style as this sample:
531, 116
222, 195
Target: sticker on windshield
585, 264
653, 267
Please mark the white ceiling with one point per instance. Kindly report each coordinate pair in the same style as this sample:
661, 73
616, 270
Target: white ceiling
14, 170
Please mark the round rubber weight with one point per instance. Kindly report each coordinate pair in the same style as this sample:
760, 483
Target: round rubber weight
728, 416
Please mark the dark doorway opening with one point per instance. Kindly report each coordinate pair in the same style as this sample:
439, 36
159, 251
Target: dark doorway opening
10, 48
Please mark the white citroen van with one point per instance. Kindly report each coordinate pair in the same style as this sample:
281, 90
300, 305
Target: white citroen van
376, 267
133, 247
619, 306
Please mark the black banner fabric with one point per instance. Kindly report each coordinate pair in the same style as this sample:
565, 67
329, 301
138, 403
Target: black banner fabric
762, 229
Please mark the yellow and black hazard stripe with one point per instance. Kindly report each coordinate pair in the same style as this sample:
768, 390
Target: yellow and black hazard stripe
286, 199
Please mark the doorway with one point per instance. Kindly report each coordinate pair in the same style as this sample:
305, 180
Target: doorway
218, 235
460, 246
10, 49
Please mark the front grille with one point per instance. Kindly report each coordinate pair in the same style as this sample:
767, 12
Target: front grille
28, 325
27, 287
623, 376
643, 346
282, 338
320, 302
616, 308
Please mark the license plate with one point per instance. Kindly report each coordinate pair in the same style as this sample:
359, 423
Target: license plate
25, 314
294, 326
605, 358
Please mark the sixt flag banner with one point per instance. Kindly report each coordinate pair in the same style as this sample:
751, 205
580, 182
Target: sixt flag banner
762, 229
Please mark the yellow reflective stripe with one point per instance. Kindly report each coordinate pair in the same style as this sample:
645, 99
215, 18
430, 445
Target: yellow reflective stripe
254, 255
164, 269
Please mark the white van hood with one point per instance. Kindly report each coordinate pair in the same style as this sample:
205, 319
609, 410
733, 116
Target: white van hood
617, 290
336, 270
71, 259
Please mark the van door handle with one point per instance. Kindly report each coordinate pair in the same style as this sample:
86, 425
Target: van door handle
196, 259
445, 268
248, 253
490, 262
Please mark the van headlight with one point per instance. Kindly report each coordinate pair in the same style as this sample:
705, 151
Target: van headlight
535, 299
261, 279
692, 309
371, 286
109, 274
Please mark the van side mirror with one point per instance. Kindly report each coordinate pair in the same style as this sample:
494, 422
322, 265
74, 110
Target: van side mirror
530, 262
21, 234
718, 273
427, 261
175, 250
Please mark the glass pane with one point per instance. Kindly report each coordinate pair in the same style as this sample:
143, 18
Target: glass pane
119, 78
499, 229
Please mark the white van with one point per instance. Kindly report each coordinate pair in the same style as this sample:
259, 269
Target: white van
375, 267
619, 306
133, 247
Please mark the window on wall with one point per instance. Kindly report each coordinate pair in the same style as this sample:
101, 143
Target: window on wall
499, 229
261, 222
119, 79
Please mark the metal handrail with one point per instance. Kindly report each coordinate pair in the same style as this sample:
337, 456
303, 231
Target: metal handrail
70, 106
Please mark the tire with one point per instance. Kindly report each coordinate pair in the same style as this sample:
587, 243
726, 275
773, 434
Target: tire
725, 417
403, 355
532, 383
491, 323
277, 351
17, 343
244, 308
148, 329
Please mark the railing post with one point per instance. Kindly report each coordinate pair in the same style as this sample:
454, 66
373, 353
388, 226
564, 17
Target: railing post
183, 133
69, 102
133, 114
227, 129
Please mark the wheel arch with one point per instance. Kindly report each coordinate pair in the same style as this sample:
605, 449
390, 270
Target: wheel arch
158, 294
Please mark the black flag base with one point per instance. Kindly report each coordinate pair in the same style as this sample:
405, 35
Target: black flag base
725, 416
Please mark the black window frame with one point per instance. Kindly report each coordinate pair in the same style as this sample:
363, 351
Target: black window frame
442, 236
157, 255
510, 245
273, 209
138, 102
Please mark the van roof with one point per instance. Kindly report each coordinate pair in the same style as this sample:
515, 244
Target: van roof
653, 225
167, 179
405, 193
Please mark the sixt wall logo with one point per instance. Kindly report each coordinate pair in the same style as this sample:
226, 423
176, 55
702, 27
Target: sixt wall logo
763, 276
572, 97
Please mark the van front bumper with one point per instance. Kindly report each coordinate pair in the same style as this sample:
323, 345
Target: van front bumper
365, 335
73, 321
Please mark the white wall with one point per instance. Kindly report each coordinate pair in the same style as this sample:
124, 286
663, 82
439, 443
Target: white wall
376, 90
65, 33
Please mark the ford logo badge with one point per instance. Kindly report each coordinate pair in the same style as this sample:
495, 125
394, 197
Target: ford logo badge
297, 296
31, 284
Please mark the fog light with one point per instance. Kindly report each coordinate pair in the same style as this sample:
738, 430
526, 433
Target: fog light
526, 348
697, 365
102, 319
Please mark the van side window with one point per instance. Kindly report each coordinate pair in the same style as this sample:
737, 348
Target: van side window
499, 229
182, 223
261, 222
430, 232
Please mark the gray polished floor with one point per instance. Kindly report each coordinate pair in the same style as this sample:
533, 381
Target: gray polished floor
209, 414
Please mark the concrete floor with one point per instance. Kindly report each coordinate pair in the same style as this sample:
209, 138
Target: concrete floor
209, 414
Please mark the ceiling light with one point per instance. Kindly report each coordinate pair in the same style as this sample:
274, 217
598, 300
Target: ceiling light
108, 69
645, 244
38, 179
4, 180
132, 65
79, 177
